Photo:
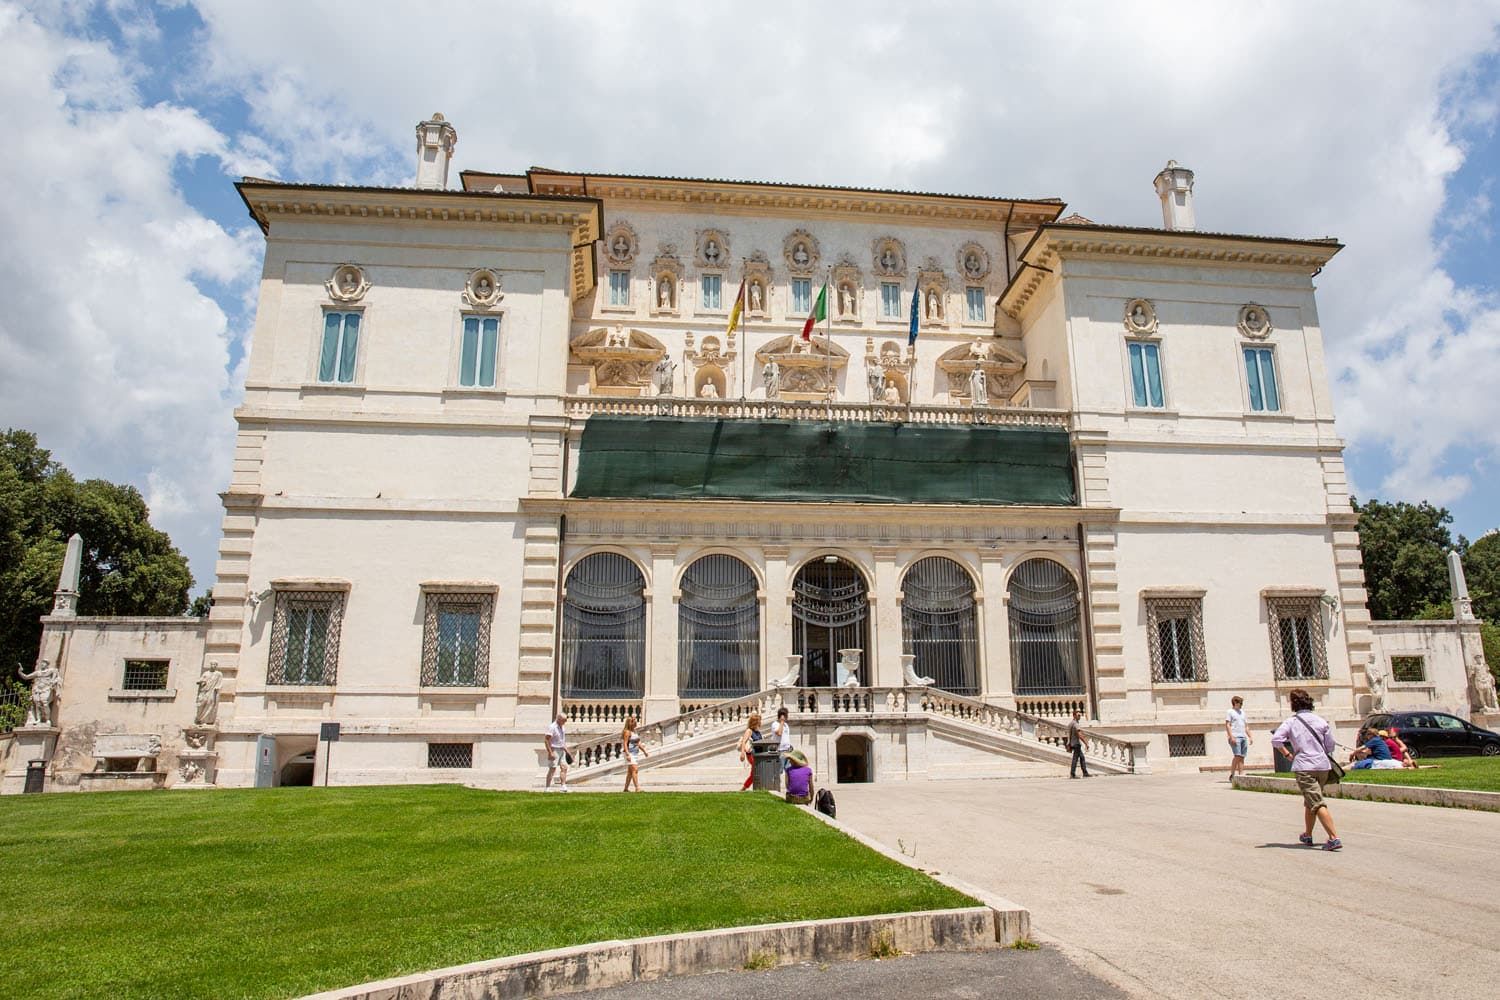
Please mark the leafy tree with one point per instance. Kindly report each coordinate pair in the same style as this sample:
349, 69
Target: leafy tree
1405, 551
128, 568
1482, 570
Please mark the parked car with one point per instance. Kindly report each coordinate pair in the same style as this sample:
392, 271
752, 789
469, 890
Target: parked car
1437, 734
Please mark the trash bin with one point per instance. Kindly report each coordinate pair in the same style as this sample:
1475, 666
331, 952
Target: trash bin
36, 776
767, 769
1283, 766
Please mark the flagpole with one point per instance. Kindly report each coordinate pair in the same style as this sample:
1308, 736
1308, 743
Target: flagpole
828, 340
744, 332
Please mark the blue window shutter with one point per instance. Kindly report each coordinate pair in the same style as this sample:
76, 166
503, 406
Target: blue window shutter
1137, 375
468, 352
1252, 373
328, 358
1268, 379
350, 348
1153, 373
487, 349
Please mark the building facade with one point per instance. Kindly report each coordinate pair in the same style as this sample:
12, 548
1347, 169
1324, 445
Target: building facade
559, 440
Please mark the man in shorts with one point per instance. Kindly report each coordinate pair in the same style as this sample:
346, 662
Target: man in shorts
1239, 736
556, 744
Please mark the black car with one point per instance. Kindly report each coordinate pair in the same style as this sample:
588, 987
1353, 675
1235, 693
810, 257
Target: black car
1437, 734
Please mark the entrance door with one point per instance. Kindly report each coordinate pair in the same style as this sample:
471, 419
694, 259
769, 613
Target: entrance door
830, 612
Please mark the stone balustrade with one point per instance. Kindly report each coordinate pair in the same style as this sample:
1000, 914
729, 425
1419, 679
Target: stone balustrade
1003, 720
1052, 707
837, 411
592, 713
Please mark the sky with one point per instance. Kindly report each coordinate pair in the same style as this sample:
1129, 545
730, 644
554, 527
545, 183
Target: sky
129, 268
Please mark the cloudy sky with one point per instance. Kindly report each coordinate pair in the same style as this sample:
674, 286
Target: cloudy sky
128, 266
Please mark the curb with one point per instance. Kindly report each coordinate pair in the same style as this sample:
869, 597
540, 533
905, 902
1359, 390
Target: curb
613, 963
1452, 798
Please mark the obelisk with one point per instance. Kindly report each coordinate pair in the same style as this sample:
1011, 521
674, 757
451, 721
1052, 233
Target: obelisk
65, 600
1463, 608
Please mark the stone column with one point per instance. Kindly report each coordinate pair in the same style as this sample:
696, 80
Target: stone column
884, 669
994, 625
661, 647
776, 612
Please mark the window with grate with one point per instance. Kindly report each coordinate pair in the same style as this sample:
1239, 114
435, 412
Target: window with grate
939, 625
305, 637
1298, 650
145, 675
456, 639
1174, 633
1186, 745
1045, 636
604, 628
1408, 669
450, 755
718, 630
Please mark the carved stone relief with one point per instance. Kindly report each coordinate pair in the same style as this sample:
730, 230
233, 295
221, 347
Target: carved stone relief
482, 288
1000, 366
666, 277
1255, 322
758, 276
888, 372
713, 248
1140, 317
973, 262
800, 249
710, 364
621, 362
808, 370
847, 282
889, 256
933, 282
347, 283
621, 244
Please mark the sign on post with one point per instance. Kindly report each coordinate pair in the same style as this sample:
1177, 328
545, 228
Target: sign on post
328, 733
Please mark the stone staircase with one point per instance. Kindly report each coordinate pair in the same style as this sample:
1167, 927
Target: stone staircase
1021, 743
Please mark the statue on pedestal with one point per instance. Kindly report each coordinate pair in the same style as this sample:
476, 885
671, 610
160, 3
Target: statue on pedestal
1481, 688
46, 681
664, 375
771, 376
208, 695
979, 392
1377, 680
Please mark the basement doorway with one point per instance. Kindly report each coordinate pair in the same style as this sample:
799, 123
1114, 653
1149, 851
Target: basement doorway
852, 760
298, 771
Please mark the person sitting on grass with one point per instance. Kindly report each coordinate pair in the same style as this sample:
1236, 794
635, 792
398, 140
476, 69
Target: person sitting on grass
1373, 753
799, 782
1398, 748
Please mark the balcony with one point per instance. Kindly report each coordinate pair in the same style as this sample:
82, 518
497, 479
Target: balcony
830, 412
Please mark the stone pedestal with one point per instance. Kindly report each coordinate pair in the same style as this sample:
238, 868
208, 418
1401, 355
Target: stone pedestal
29, 743
198, 760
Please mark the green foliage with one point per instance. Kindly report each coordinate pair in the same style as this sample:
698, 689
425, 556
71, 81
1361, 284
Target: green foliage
129, 568
1482, 570
1405, 550
288, 891
14, 698
1489, 633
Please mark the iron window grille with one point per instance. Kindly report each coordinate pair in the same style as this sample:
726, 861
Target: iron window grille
450, 755
305, 637
1174, 633
1045, 639
938, 624
1186, 745
1408, 669
718, 630
1298, 648
604, 629
145, 675
456, 639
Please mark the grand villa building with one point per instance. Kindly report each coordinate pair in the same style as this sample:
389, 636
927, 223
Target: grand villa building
511, 447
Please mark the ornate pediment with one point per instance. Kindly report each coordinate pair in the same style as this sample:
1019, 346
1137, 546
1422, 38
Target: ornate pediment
710, 366
1001, 366
888, 371
620, 360
807, 369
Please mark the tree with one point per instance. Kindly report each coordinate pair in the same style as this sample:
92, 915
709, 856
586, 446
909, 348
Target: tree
128, 568
1482, 570
1405, 550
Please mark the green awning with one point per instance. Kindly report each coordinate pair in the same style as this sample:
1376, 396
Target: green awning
667, 458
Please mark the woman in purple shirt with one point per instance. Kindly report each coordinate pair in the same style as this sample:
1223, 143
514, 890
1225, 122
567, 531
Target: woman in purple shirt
799, 784
1311, 741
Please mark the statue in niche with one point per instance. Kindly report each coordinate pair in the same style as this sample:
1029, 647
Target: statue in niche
621, 247
875, 379
664, 375
482, 287
617, 338
979, 350
979, 390
1138, 317
1375, 677
207, 712
800, 256
971, 264
711, 251
892, 396
934, 308
348, 282
709, 391
846, 300
46, 681
664, 292
757, 299
771, 376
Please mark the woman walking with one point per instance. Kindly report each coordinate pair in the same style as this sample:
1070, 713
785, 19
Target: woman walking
1311, 741
747, 748
635, 752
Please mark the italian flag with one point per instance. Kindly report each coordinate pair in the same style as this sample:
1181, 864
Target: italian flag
818, 314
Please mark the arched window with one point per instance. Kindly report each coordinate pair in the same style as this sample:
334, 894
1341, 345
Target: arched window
718, 630
830, 612
604, 629
1044, 636
938, 624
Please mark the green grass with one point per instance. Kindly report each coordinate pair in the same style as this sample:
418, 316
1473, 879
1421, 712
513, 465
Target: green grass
1468, 774
282, 892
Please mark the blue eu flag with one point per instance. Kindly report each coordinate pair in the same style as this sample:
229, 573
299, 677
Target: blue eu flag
916, 316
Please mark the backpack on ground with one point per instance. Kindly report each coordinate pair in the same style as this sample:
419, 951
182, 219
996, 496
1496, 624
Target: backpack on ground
824, 804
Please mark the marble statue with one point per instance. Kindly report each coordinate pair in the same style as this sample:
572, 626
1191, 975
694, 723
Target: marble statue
664, 375
771, 376
892, 395
348, 282
934, 309
482, 287
875, 379
1481, 688
1376, 678
664, 294
622, 247
909, 672
756, 298
46, 681
209, 680
979, 350
711, 251
979, 391
793, 675
846, 300
800, 256
1138, 317
709, 391
971, 264
617, 338
888, 260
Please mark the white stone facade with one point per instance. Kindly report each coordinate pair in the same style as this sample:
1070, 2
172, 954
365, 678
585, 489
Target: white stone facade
386, 466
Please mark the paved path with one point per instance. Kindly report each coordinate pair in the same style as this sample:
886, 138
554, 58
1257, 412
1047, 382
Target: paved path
1179, 886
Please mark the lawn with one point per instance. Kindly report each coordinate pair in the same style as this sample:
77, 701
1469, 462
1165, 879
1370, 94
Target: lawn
1469, 774
281, 892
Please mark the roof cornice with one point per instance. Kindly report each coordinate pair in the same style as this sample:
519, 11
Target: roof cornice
1056, 242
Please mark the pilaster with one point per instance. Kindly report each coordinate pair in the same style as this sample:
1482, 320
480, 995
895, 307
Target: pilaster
1359, 637
886, 636
1101, 569
536, 652
776, 610
997, 683
1093, 468
661, 695
233, 605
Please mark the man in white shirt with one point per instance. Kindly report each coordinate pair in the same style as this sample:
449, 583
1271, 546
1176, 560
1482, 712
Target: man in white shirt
783, 733
556, 744
1239, 735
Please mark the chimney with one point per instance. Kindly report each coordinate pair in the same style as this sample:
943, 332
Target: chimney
435, 142
1174, 185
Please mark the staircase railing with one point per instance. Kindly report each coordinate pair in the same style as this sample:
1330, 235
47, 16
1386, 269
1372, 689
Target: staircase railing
1011, 723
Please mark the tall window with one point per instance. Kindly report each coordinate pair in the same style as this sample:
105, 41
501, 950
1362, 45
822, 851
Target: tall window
712, 297
801, 295
890, 299
1145, 374
604, 629
974, 300
619, 288
1298, 650
305, 637
340, 347
456, 639
938, 624
1044, 635
1174, 634
718, 629
476, 366
1260, 373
